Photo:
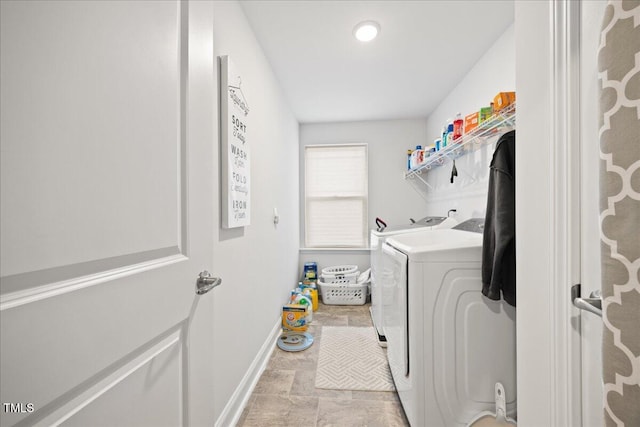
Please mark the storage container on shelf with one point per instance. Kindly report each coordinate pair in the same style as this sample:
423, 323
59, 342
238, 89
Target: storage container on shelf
503, 100
471, 121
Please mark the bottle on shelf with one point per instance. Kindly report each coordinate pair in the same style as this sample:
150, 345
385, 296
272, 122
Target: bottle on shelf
450, 132
457, 126
443, 142
409, 159
416, 158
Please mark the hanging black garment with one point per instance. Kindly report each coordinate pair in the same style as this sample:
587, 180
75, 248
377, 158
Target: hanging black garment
499, 240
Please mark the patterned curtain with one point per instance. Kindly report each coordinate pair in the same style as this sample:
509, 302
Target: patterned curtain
619, 74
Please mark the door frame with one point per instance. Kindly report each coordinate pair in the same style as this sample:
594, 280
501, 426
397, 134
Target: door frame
548, 217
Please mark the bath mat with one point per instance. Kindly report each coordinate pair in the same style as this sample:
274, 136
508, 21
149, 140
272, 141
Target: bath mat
351, 359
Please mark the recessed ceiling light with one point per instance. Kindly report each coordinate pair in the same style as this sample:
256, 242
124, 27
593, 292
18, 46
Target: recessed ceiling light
366, 31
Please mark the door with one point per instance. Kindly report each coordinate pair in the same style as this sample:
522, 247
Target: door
106, 131
395, 314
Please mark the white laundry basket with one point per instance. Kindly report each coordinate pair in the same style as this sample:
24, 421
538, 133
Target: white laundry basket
340, 269
340, 279
340, 274
344, 285
343, 294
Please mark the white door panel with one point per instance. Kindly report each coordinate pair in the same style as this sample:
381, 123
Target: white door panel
106, 127
100, 80
150, 383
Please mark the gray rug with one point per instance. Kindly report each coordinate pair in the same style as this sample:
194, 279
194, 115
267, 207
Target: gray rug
351, 359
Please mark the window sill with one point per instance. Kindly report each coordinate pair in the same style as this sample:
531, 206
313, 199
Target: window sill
351, 250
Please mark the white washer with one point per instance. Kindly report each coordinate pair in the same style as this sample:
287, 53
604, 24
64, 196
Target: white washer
379, 277
447, 344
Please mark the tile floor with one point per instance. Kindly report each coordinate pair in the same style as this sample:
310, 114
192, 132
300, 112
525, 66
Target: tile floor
285, 394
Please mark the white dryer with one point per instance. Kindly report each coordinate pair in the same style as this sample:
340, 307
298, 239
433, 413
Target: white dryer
381, 278
447, 344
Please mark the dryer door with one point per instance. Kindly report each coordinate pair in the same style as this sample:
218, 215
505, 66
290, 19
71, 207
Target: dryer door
395, 313
376, 291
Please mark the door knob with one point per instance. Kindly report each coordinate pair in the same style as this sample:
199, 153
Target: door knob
205, 282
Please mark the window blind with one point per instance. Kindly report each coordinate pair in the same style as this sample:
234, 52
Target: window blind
336, 192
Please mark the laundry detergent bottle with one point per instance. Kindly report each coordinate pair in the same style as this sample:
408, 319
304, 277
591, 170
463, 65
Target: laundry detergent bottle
457, 126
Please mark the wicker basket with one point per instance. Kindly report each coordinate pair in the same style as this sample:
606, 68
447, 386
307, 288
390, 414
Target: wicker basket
343, 294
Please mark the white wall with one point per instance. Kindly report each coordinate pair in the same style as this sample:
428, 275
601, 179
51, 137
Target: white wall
258, 264
390, 196
591, 16
537, 397
493, 73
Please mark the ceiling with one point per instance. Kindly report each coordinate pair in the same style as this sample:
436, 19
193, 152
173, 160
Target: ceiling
423, 50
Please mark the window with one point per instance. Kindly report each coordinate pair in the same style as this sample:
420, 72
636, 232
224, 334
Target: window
336, 191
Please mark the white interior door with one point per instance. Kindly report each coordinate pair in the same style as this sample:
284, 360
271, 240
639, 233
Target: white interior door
106, 130
591, 16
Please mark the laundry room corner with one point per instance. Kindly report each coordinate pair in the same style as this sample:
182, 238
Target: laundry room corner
389, 195
397, 200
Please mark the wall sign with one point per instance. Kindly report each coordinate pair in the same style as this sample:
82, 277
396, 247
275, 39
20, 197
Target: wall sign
234, 154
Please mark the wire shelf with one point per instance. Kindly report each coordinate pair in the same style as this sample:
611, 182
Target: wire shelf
500, 122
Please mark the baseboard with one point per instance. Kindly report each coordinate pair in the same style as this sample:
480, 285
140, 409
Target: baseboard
234, 407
